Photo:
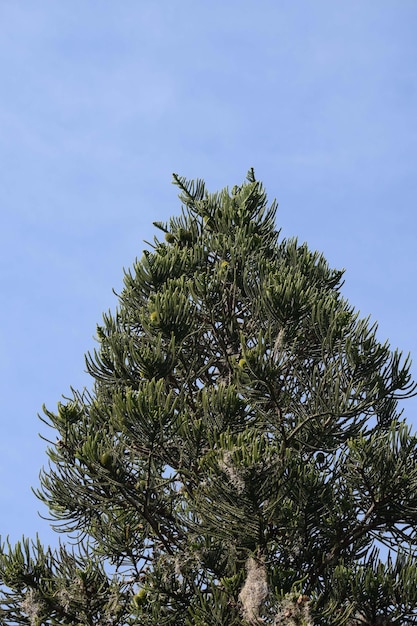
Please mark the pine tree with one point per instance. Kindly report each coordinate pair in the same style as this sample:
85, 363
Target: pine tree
241, 458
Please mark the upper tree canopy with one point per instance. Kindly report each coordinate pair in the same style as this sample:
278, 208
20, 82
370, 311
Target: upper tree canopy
240, 458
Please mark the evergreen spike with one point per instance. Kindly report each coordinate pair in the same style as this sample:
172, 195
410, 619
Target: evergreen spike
250, 176
161, 226
191, 191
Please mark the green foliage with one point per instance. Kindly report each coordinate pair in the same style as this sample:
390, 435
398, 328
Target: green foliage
241, 458
58, 588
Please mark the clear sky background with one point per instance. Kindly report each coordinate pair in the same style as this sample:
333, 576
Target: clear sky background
100, 101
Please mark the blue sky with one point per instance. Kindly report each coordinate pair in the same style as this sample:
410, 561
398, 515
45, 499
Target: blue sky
101, 101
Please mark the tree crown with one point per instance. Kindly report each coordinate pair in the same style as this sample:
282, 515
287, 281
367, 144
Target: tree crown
241, 457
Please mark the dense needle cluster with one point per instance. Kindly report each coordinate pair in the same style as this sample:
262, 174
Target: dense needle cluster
240, 458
